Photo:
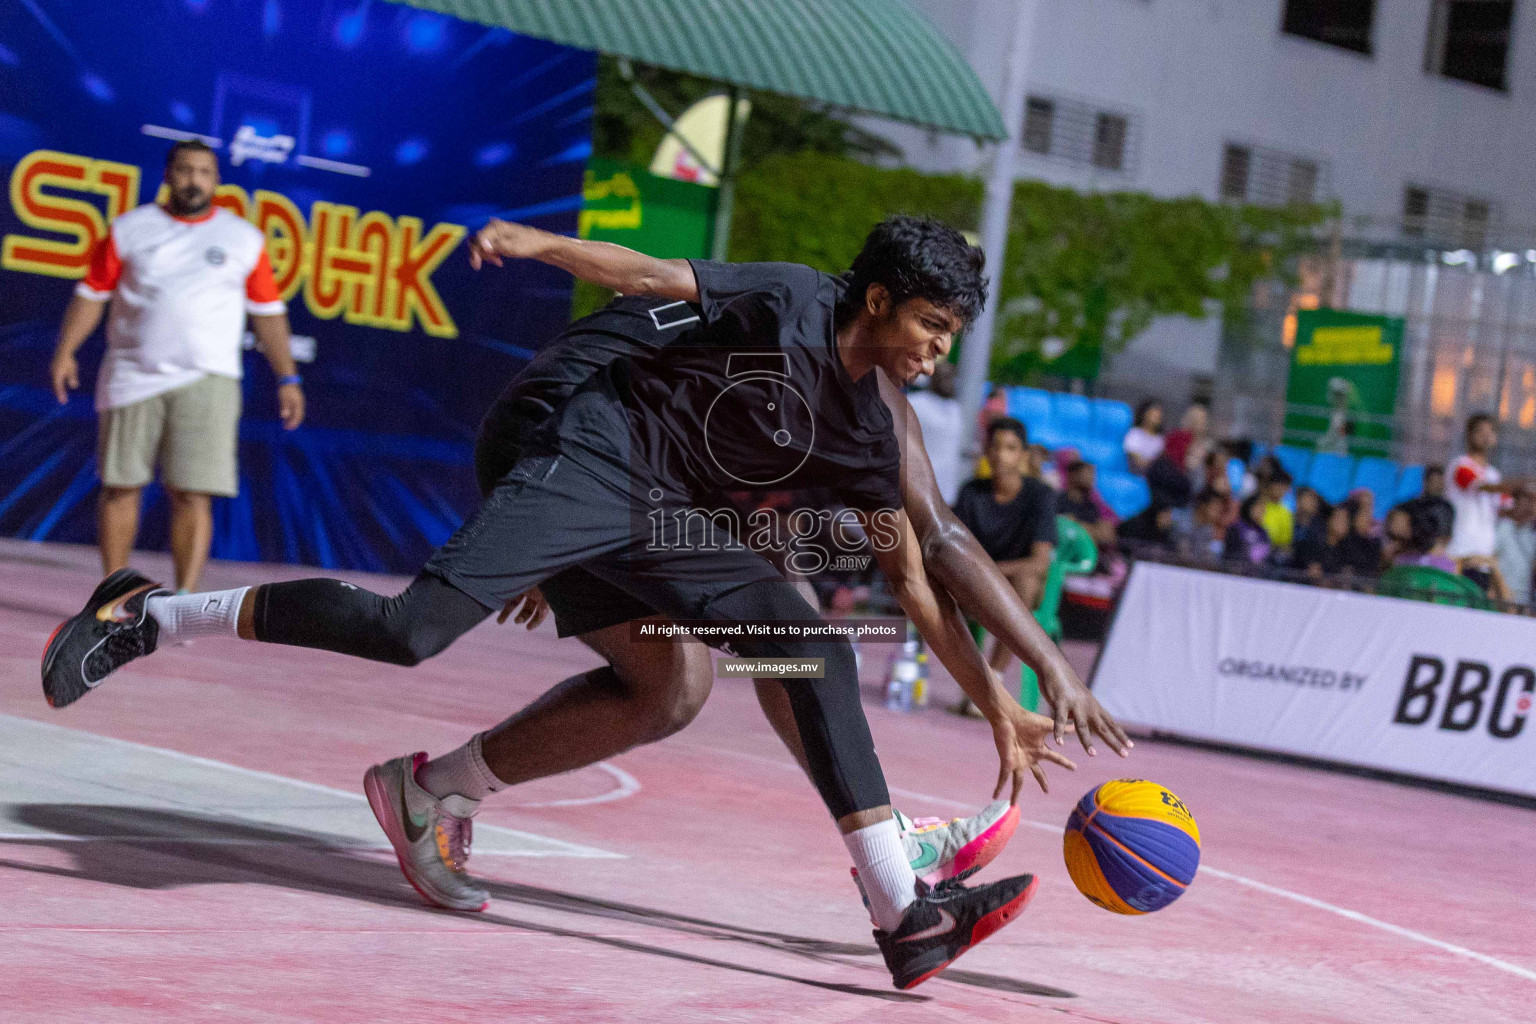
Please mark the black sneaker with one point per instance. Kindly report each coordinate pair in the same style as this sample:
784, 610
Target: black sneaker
947, 920
112, 630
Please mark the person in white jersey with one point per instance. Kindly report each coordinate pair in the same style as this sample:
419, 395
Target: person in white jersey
1475, 489
181, 279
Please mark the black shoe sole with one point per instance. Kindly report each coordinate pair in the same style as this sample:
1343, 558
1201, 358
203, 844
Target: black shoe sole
110, 589
985, 926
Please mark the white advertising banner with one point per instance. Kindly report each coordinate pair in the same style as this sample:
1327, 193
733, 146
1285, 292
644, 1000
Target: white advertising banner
1404, 686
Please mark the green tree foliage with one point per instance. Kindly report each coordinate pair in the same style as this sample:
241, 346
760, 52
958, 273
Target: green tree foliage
1095, 268
815, 208
1083, 269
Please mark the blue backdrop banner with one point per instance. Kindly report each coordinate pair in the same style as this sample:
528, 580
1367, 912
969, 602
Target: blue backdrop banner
366, 140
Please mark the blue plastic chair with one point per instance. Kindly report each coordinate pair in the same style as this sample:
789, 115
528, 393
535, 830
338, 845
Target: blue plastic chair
1329, 476
1126, 493
1410, 484
1379, 476
1072, 419
1103, 453
1111, 420
1032, 407
1237, 471
1296, 461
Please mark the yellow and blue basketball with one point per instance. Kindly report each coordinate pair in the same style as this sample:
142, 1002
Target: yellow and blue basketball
1132, 846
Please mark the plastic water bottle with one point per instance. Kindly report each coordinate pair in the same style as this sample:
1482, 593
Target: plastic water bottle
920, 684
898, 692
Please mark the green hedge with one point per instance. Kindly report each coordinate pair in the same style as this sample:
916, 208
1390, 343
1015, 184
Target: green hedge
1090, 269
1085, 271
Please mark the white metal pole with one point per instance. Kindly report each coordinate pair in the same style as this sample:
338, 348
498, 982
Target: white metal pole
976, 350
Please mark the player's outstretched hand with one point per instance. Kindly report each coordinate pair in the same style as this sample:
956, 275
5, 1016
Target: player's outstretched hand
501, 238
533, 610
1022, 744
1077, 709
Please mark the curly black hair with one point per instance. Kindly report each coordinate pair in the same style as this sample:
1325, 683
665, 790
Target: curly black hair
917, 258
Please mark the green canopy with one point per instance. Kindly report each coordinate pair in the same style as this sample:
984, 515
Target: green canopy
872, 56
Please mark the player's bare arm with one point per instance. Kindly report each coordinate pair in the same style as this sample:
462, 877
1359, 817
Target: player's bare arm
601, 263
1020, 735
956, 560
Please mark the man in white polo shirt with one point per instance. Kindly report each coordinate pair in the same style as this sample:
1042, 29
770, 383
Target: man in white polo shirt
1475, 489
181, 279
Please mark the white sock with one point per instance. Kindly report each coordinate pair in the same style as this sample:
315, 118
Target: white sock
184, 616
885, 874
460, 772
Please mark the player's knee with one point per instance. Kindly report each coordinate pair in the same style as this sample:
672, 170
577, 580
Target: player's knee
418, 644
692, 681
671, 685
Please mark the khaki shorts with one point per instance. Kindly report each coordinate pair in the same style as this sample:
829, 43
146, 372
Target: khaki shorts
190, 432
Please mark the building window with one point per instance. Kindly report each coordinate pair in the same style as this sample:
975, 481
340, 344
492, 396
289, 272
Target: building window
1081, 133
1342, 23
1469, 40
1235, 161
1038, 115
1269, 177
1447, 218
1301, 183
1109, 141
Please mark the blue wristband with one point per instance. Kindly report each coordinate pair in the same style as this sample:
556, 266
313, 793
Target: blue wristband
292, 378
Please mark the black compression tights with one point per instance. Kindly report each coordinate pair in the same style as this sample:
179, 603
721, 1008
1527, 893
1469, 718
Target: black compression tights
330, 615
839, 750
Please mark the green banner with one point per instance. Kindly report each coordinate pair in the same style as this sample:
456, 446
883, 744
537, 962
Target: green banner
657, 216
1343, 383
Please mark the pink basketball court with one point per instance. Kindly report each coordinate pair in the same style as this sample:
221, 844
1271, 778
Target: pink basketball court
192, 842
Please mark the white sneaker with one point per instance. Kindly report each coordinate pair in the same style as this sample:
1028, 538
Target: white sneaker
940, 849
431, 837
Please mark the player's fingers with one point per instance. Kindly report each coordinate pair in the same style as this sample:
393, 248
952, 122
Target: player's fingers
506, 611
1057, 757
474, 257
1082, 736
1039, 774
1112, 728
59, 391
1061, 714
538, 616
1002, 780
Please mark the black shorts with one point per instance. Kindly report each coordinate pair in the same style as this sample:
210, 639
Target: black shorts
509, 448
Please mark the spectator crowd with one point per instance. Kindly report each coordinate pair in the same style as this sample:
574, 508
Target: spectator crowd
1211, 502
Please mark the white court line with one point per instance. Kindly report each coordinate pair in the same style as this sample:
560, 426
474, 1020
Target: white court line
45, 838
1273, 890
628, 785
573, 849
1355, 915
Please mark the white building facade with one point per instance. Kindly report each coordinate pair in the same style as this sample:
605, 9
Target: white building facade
1416, 115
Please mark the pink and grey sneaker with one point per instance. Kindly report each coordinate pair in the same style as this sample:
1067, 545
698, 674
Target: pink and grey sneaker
431, 837
940, 849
